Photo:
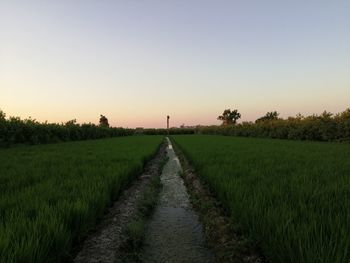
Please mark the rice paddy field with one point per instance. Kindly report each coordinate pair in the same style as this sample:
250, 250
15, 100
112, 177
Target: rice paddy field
50, 195
291, 197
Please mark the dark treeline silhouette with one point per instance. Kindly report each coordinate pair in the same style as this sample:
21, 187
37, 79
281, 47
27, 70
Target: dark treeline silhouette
270, 116
323, 127
14, 130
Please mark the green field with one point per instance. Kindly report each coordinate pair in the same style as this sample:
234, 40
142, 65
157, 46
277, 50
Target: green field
292, 197
51, 194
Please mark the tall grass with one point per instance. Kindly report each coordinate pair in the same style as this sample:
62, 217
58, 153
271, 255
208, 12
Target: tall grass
52, 194
292, 197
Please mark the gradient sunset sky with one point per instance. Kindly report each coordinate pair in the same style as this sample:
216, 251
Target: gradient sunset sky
138, 61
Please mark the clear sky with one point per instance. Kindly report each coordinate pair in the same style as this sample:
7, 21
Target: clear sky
137, 61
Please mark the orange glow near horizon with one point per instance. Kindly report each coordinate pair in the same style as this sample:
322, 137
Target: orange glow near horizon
136, 64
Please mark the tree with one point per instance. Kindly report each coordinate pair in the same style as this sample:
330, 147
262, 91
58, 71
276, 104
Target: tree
103, 121
2, 115
71, 122
273, 115
229, 117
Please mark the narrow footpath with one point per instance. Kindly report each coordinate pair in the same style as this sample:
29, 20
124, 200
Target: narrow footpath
174, 233
105, 242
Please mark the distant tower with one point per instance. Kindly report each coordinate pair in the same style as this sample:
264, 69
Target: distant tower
167, 123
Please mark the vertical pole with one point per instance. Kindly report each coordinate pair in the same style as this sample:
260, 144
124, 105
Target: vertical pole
167, 123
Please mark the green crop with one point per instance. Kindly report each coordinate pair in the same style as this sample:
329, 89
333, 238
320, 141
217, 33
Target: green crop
291, 197
50, 195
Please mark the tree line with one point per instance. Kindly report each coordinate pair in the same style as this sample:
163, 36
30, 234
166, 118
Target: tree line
14, 130
323, 127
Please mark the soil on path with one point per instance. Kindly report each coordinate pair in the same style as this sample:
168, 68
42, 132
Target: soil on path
174, 233
108, 237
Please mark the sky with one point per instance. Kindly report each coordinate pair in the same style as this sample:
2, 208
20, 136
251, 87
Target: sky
137, 61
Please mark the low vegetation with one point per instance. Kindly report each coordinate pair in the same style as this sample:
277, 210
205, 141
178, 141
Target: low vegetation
323, 127
290, 197
14, 130
136, 228
131, 251
52, 194
223, 235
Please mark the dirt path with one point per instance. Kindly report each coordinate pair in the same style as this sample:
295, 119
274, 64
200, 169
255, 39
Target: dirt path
174, 233
105, 241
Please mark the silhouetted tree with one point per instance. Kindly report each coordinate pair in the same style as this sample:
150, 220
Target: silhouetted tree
273, 115
71, 122
229, 117
103, 121
2, 114
326, 115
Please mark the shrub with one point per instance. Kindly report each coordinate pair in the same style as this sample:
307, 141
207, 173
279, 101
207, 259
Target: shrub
324, 127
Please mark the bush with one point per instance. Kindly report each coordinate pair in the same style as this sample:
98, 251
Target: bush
14, 130
324, 127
